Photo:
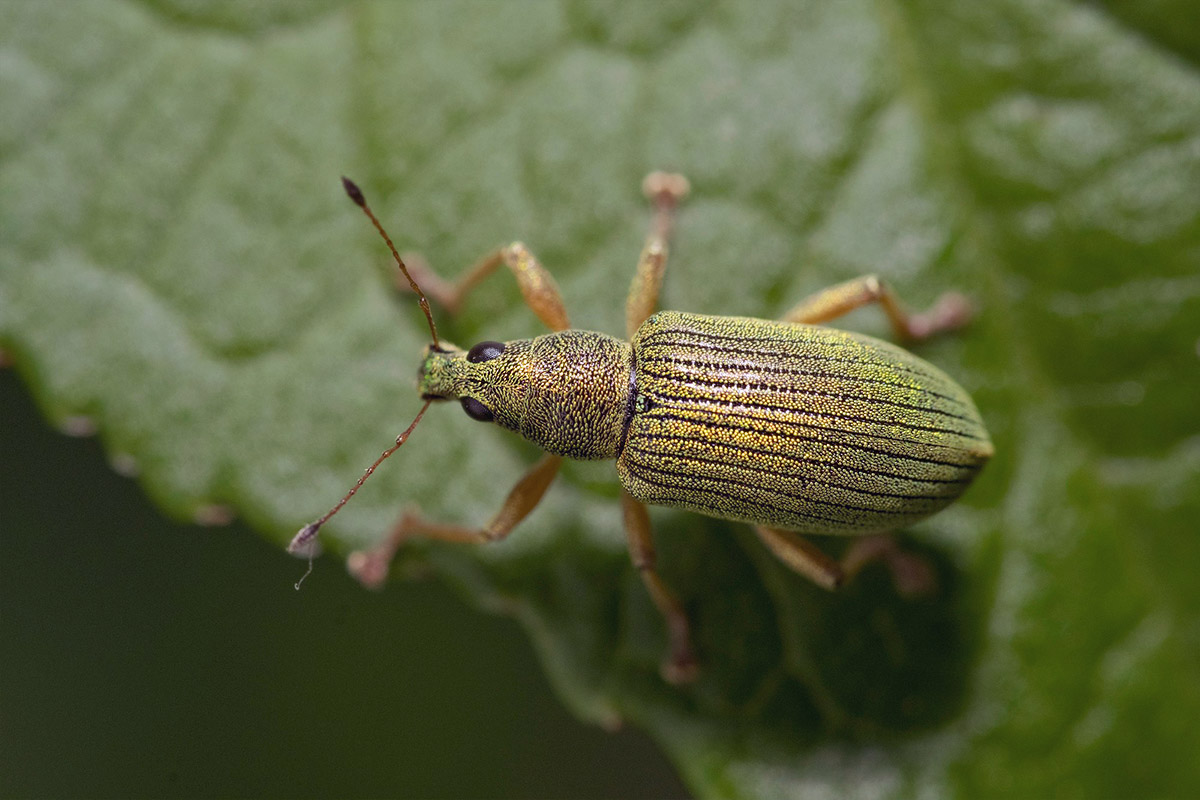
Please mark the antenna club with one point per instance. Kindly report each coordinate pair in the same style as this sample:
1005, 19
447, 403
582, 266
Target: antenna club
357, 196
306, 538
354, 192
303, 537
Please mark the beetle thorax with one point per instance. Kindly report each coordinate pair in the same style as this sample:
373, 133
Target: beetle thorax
566, 392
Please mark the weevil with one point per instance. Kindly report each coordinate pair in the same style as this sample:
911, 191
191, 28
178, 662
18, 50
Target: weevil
789, 426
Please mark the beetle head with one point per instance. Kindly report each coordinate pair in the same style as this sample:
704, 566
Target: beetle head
490, 379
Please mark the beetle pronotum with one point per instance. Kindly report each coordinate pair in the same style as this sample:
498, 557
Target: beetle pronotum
787, 425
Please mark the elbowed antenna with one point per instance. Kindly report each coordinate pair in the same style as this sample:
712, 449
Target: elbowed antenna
357, 196
307, 536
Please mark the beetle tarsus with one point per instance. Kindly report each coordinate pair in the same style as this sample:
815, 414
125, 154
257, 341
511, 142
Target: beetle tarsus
912, 574
665, 188
370, 567
951, 311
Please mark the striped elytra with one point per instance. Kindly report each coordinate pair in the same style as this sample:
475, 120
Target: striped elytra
798, 427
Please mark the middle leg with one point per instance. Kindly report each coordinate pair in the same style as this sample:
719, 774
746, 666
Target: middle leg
951, 311
537, 286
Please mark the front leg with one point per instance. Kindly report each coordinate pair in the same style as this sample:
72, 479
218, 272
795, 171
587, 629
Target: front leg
537, 286
371, 566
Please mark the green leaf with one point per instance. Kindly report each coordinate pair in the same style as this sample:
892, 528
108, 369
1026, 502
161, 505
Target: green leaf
178, 265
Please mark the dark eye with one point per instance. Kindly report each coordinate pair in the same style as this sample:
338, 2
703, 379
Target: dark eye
476, 409
484, 351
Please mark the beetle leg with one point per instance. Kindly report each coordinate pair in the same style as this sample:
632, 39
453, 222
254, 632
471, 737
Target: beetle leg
537, 286
665, 190
912, 575
371, 566
952, 310
803, 556
681, 667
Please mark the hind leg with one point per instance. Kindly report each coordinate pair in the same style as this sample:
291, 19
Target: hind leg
911, 574
680, 667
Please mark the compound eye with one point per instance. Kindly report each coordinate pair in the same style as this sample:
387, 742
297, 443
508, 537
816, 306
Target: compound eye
476, 409
484, 351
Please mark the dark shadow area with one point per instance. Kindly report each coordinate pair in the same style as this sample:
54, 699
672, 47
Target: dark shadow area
861, 663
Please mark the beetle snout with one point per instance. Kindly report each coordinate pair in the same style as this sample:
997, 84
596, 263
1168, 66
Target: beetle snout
436, 376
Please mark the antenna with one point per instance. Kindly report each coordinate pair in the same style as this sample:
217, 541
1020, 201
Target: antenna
307, 536
357, 196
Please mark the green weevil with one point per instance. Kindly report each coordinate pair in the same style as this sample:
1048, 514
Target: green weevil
786, 425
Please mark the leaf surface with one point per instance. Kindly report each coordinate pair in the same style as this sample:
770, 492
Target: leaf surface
179, 266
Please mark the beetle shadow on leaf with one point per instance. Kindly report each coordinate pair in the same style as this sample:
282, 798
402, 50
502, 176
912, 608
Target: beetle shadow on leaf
776, 650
